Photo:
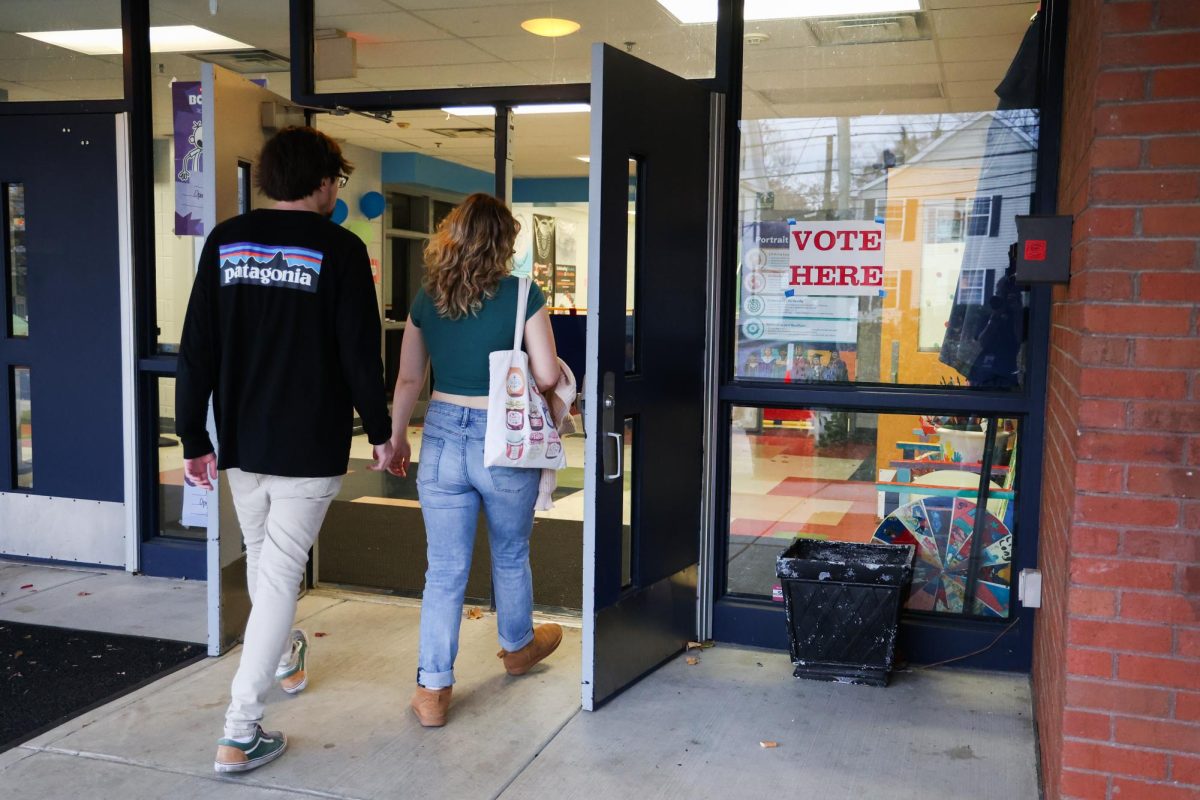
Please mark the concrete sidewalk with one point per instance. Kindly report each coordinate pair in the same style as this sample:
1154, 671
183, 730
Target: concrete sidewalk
684, 732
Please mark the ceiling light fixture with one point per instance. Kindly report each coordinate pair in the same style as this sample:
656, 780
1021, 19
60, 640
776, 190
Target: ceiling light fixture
470, 111
692, 12
551, 27
541, 108
584, 159
163, 39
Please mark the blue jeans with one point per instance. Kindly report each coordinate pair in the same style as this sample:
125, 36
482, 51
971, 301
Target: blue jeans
452, 482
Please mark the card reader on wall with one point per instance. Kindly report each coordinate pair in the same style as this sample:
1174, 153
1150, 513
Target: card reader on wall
1043, 249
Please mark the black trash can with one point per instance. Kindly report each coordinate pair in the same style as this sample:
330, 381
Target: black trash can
843, 607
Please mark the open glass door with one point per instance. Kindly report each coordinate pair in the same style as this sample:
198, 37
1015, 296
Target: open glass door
644, 387
233, 137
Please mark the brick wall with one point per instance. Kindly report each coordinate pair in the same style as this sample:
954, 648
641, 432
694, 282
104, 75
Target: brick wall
1117, 647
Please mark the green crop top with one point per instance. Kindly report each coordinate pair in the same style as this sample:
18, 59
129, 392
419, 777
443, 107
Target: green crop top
459, 348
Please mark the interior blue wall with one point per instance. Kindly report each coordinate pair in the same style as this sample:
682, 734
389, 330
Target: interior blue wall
417, 169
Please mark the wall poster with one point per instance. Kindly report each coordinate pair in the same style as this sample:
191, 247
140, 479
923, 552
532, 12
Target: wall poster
187, 111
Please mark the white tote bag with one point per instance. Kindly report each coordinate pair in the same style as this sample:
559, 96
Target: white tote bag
520, 427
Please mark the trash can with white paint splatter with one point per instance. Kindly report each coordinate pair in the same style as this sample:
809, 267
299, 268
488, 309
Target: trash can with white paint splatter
843, 604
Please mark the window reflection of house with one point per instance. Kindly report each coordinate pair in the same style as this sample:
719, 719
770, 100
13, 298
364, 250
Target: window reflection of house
949, 215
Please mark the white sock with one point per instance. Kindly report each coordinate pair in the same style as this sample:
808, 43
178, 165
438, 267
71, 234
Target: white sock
247, 739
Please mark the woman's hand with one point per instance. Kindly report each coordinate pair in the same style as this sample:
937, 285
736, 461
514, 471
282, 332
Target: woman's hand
401, 454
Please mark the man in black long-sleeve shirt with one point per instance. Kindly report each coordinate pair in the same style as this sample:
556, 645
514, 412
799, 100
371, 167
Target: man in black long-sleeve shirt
283, 332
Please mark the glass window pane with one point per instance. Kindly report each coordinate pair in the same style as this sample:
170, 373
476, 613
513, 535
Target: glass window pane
447, 43
883, 163
18, 264
894, 478
258, 52
632, 343
61, 51
23, 426
182, 509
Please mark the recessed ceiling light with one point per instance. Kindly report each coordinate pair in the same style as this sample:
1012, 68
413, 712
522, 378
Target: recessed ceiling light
163, 39
550, 26
705, 11
470, 111
541, 108
553, 108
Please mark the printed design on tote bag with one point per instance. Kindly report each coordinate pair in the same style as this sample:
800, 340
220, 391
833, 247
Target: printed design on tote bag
270, 265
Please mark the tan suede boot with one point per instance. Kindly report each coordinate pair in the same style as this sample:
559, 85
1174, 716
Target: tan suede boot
431, 705
546, 639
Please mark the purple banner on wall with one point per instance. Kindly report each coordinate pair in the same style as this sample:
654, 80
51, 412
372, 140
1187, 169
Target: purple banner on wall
189, 152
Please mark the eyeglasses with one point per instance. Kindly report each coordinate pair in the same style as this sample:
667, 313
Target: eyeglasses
342, 180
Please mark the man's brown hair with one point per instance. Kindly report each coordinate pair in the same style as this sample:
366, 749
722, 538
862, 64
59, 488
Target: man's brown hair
295, 161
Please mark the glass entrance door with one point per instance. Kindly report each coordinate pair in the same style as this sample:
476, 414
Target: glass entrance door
645, 368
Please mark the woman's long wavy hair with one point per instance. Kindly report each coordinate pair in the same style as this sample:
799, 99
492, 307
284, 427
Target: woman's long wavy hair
469, 254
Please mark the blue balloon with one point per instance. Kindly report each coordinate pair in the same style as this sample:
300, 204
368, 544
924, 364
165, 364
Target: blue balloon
371, 204
340, 212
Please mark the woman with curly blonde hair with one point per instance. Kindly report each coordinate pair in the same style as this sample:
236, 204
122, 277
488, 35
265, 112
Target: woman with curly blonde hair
465, 310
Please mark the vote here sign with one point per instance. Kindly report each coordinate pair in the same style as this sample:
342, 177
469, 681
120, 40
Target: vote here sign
835, 258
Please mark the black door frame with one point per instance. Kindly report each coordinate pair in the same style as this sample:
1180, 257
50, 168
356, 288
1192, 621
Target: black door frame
749, 622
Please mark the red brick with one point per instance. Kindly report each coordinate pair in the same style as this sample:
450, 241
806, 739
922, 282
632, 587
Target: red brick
1189, 582
1110, 350
1187, 706
1161, 545
1095, 541
1171, 220
1089, 663
1166, 417
1162, 384
1126, 17
1176, 83
1087, 725
1160, 734
1092, 602
1176, 151
1131, 789
1141, 50
1171, 608
1180, 287
1118, 760
1185, 769
1178, 14
1101, 285
1141, 254
1129, 119
1118, 697
1104, 223
1152, 320
1114, 86
1121, 636
1130, 511
1129, 447
1179, 482
1167, 353
1191, 516
1082, 785
1100, 477
1102, 414
1129, 574
1150, 187
1187, 644
1170, 672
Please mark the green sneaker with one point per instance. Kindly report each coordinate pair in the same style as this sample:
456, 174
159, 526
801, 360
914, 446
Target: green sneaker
235, 756
294, 677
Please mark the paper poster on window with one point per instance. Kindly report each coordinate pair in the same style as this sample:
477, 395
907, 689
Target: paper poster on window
189, 158
835, 258
523, 247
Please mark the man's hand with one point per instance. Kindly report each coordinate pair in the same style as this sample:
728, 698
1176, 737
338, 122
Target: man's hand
383, 457
401, 453
201, 471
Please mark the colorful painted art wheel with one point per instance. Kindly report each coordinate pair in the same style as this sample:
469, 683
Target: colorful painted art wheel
942, 529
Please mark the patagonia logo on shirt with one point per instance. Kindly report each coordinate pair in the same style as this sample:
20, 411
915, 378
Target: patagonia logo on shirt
270, 265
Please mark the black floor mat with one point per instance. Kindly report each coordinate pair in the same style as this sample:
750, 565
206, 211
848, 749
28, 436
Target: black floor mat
49, 675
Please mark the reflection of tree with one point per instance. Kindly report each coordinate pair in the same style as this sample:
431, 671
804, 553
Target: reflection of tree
794, 161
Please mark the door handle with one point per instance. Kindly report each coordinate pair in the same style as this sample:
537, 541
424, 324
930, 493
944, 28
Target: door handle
620, 447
